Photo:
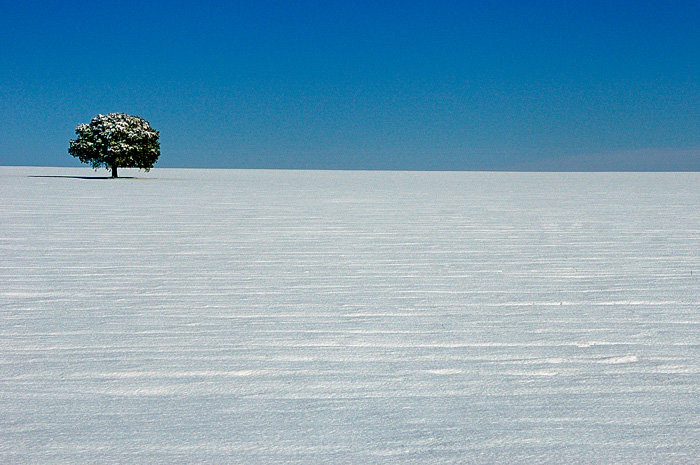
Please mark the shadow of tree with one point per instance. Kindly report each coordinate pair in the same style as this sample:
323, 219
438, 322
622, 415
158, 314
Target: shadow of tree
80, 177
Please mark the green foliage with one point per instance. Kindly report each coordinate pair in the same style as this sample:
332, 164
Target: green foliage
116, 140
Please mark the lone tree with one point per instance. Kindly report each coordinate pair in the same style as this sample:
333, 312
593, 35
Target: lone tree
116, 141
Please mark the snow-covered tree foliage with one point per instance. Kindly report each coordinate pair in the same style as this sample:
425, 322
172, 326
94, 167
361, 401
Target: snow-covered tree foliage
116, 140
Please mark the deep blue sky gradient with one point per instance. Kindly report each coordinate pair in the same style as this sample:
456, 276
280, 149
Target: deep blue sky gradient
594, 85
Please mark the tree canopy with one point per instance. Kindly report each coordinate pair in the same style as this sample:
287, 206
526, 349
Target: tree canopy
116, 140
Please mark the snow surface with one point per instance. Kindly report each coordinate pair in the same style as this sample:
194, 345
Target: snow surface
262, 317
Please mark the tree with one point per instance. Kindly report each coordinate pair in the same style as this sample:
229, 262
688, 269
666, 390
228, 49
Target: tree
116, 141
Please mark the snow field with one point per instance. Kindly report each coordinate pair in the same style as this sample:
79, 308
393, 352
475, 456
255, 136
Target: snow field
196, 316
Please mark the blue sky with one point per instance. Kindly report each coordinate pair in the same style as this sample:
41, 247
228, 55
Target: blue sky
504, 85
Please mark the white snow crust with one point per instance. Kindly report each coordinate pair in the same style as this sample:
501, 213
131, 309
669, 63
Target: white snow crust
309, 317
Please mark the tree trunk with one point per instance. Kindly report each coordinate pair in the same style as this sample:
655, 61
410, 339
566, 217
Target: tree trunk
114, 171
